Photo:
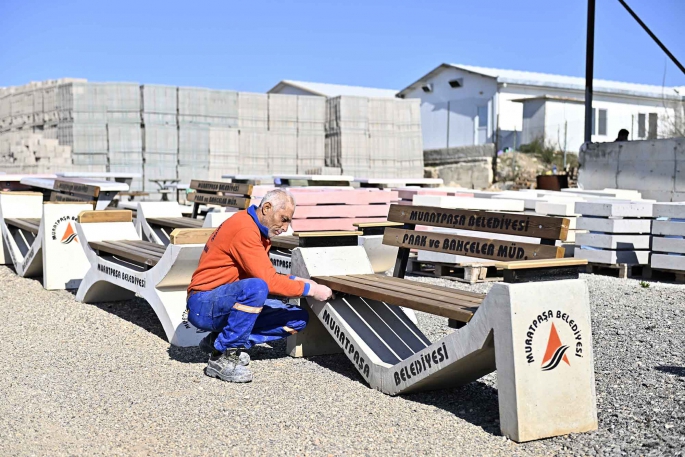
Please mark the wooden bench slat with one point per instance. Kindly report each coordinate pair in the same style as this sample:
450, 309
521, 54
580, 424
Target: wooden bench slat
553, 228
233, 201
114, 215
394, 298
285, 242
125, 252
461, 245
434, 290
434, 287
414, 292
190, 236
175, 222
29, 224
147, 244
221, 186
138, 249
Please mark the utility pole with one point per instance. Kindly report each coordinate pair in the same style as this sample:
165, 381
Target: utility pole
589, 68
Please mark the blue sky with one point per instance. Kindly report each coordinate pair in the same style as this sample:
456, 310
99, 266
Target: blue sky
253, 44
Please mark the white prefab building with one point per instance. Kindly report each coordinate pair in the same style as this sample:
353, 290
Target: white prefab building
329, 90
464, 105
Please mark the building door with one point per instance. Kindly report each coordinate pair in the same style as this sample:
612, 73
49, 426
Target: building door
482, 125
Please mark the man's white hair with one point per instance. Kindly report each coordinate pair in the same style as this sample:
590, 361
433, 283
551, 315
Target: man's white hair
278, 198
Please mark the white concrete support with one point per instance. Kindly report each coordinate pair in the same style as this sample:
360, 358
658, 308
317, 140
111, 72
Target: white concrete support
542, 351
381, 256
54, 251
163, 286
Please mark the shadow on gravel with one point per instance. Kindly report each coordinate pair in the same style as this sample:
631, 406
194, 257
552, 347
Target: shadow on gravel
476, 402
136, 311
678, 371
273, 350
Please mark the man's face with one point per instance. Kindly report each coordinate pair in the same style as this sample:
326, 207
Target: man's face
276, 220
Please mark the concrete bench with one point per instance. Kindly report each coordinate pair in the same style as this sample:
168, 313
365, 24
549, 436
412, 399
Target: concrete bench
540, 347
39, 238
122, 266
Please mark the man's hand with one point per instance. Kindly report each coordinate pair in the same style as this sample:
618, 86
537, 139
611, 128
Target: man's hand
319, 292
308, 281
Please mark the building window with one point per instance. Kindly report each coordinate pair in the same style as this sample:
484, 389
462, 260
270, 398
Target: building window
457, 83
601, 122
653, 118
641, 125
483, 116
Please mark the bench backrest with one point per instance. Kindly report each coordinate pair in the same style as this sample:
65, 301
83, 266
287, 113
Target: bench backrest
219, 193
548, 229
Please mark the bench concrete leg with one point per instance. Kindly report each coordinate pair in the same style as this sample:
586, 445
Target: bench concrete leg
313, 340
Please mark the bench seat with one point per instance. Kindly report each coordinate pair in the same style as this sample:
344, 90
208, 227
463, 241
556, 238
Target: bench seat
442, 301
29, 224
138, 251
285, 241
175, 222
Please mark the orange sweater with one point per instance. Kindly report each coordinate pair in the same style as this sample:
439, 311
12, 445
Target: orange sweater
237, 250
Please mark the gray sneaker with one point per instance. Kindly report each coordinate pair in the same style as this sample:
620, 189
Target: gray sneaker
207, 346
227, 367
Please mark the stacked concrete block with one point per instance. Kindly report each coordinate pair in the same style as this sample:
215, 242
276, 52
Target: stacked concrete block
25, 152
668, 237
193, 145
618, 232
222, 108
159, 109
159, 104
224, 152
6, 108
125, 150
282, 151
566, 208
123, 103
253, 111
311, 140
374, 137
253, 145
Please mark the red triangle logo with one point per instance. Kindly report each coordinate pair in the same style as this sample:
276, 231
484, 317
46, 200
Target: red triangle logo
69, 235
555, 353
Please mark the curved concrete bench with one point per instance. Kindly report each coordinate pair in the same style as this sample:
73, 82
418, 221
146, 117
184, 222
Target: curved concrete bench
541, 348
122, 265
40, 238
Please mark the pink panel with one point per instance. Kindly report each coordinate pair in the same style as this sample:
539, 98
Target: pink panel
310, 225
344, 211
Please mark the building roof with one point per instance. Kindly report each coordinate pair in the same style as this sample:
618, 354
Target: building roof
529, 78
334, 90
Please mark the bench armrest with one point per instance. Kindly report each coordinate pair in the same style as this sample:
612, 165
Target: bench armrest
121, 215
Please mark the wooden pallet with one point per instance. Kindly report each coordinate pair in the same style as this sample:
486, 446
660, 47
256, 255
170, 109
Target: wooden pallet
677, 276
471, 273
620, 270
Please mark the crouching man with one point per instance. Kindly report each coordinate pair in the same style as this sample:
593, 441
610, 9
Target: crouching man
228, 293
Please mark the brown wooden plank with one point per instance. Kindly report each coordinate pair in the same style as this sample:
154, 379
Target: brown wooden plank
285, 242
474, 295
124, 253
119, 215
190, 236
375, 293
415, 293
362, 225
175, 222
29, 224
550, 263
328, 233
554, 228
60, 197
223, 187
436, 290
470, 246
220, 200
142, 249
147, 244
62, 185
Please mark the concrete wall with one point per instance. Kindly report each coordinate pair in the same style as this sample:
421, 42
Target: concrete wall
656, 168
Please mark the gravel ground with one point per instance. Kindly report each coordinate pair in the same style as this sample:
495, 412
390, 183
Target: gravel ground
101, 380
